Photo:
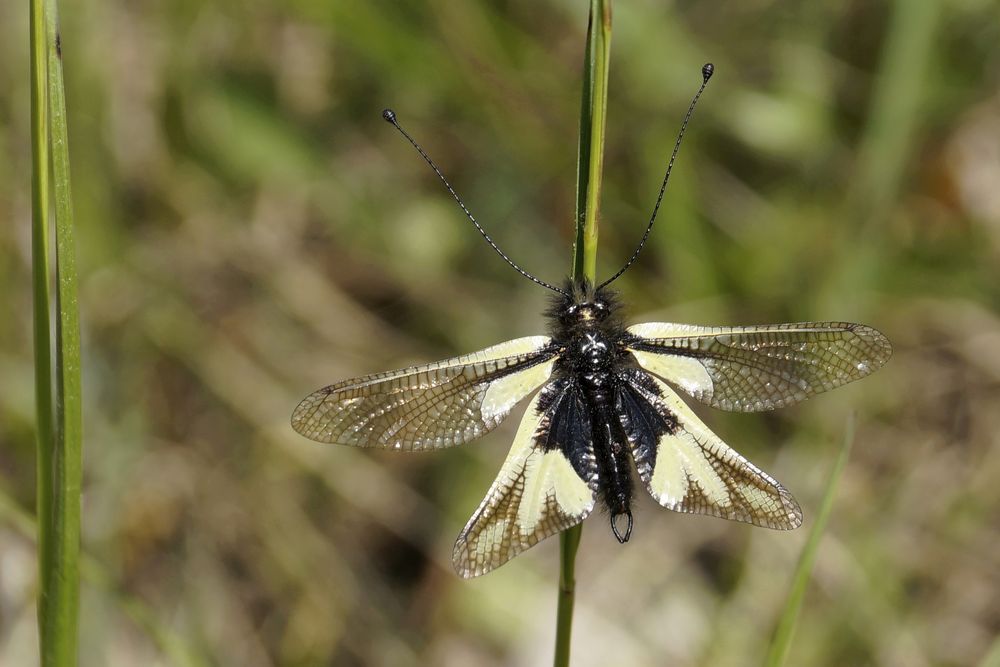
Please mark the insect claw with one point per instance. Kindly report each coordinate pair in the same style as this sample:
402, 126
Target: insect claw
622, 539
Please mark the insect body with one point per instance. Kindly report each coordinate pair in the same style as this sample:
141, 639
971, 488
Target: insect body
588, 375
604, 411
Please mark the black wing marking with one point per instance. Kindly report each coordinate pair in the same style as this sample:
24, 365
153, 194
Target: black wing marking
753, 368
547, 484
428, 407
687, 468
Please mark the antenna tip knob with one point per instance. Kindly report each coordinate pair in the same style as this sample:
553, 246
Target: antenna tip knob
707, 70
389, 116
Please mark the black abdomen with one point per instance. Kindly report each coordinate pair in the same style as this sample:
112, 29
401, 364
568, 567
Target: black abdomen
613, 467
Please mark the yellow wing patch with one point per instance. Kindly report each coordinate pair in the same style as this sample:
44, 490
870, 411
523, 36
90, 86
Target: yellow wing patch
753, 368
536, 494
695, 471
428, 407
686, 372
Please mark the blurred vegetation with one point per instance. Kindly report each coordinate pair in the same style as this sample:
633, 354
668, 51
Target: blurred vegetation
249, 229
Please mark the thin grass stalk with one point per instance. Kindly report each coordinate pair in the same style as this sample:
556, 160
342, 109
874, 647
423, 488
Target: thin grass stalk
68, 457
785, 631
590, 154
58, 388
590, 162
44, 401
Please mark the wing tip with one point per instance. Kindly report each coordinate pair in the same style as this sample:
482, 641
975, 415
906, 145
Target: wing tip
464, 565
303, 412
792, 517
881, 347
793, 513
297, 420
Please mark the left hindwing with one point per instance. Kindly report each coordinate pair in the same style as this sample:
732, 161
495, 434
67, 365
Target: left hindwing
547, 484
762, 367
686, 467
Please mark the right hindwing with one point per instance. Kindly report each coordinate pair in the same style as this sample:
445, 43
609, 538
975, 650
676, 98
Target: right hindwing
686, 467
428, 407
547, 484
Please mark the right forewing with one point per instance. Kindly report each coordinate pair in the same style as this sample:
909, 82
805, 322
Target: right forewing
762, 367
428, 407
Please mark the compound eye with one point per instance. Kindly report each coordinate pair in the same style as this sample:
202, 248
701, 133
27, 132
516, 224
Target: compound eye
601, 306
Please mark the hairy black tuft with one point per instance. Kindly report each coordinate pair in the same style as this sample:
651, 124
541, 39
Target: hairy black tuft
566, 311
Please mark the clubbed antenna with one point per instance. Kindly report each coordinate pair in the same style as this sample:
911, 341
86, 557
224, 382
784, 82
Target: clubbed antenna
706, 72
390, 116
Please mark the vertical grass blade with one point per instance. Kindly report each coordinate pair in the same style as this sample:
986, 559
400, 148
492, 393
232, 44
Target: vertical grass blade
44, 400
569, 542
782, 639
68, 472
590, 162
57, 387
590, 153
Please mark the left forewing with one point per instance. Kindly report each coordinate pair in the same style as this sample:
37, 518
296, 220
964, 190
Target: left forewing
428, 407
547, 484
753, 368
687, 468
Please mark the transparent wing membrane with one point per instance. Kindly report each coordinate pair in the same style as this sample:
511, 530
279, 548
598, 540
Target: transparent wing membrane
747, 369
428, 407
539, 490
687, 468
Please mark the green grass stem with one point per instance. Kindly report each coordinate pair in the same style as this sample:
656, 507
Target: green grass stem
590, 154
44, 403
58, 386
590, 162
785, 631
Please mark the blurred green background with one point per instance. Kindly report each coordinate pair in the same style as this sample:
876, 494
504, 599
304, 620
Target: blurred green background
250, 229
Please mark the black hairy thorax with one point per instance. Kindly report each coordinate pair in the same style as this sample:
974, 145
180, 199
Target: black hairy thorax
586, 326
